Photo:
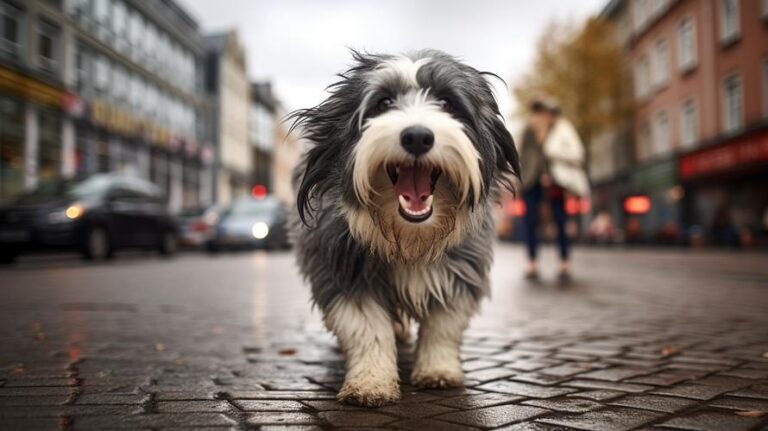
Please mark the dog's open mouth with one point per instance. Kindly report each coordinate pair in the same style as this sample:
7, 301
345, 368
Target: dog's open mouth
415, 187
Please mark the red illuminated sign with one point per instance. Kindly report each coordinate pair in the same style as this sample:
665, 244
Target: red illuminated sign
748, 150
637, 205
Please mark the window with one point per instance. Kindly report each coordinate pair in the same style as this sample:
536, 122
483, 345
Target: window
10, 30
101, 66
47, 46
765, 87
644, 142
83, 60
730, 26
686, 44
689, 124
660, 129
642, 77
733, 103
660, 64
765, 9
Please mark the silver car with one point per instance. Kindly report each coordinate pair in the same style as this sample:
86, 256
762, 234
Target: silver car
250, 223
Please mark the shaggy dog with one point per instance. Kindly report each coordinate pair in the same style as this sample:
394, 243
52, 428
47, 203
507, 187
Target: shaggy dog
395, 197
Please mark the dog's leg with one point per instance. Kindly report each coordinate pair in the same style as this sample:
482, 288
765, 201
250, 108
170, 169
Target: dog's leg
437, 362
366, 336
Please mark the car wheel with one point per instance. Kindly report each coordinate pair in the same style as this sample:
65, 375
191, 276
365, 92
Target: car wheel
168, 243
96, 245
211, 247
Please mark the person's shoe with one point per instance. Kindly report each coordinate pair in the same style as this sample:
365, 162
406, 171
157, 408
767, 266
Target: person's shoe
532, 275
564, 277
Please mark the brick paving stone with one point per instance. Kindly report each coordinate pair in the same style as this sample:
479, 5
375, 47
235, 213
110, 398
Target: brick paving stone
415, 410
531, 364
654, 403
192, 406
692, 390
571, 405
598, 395
525, 389
608, 419
467, 402
616, 374
43, 411
160, 420
281, 395
270, 405
735, 403
566, 370
282, 418
32, 401
27, 382
32, 424
538, 378
611, 386
746, 373
34, 391
429, 424
184, 395
706, 420
356, 418
478, 364
531, 426
756, 391
109, 399
488, 374
492, 417
665, 378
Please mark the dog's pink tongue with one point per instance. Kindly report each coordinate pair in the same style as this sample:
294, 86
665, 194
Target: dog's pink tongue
414, 183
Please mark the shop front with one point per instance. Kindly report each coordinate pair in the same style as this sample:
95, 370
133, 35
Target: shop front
32, 141
726, 191
658, 221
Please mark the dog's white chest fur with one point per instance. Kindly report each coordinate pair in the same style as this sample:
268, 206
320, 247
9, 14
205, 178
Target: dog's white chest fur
418, 285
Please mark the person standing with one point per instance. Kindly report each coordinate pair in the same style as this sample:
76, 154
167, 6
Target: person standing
552, 158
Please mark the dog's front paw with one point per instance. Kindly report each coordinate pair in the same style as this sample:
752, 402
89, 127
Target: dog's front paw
369, 393
437, 378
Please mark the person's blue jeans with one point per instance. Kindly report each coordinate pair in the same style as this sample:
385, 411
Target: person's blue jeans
532, 200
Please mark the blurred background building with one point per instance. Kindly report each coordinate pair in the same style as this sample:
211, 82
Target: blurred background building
229, 88
102, 86
691, 164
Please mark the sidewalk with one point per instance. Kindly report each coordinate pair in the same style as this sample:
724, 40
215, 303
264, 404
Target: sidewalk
645, 339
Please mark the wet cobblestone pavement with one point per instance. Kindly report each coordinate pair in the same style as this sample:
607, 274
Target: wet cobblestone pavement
645, 339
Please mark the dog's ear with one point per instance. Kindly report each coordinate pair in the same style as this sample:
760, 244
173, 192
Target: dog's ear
507, 161
315, 179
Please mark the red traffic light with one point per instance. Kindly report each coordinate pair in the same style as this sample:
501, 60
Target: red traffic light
259, 191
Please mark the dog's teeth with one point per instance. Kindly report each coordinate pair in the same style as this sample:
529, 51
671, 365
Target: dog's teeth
403, 202
429, 201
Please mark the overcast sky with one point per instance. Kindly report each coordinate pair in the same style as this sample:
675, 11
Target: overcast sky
300, 44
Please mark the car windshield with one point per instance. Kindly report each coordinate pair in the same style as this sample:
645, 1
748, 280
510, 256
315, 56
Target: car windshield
252, 207
90, 187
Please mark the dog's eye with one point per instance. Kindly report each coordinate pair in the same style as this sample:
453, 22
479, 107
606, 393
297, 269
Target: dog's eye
445, 105
384, 104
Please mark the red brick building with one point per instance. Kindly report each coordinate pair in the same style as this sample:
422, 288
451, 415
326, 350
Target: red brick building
700, 129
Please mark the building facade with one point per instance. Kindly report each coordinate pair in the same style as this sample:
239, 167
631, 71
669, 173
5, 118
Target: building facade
262, 123
700, 130
229, 89
103, 86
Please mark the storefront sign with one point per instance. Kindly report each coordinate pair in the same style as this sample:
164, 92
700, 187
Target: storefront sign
30, 88
120, 121
748, 150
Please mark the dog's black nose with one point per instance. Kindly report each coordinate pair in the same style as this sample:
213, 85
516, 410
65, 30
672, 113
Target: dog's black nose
417, 140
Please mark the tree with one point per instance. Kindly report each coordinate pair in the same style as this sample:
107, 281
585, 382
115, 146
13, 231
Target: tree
584, 68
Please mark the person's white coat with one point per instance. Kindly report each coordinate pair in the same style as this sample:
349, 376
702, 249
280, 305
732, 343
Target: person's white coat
565, 152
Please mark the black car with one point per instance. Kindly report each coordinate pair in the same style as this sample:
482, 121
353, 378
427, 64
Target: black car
95, 215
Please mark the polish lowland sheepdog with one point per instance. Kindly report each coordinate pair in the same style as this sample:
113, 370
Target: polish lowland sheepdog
395, 198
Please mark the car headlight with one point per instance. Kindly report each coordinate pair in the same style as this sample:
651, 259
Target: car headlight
260, 230
70, 213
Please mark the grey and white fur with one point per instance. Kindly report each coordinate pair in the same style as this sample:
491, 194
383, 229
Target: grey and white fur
408, 156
